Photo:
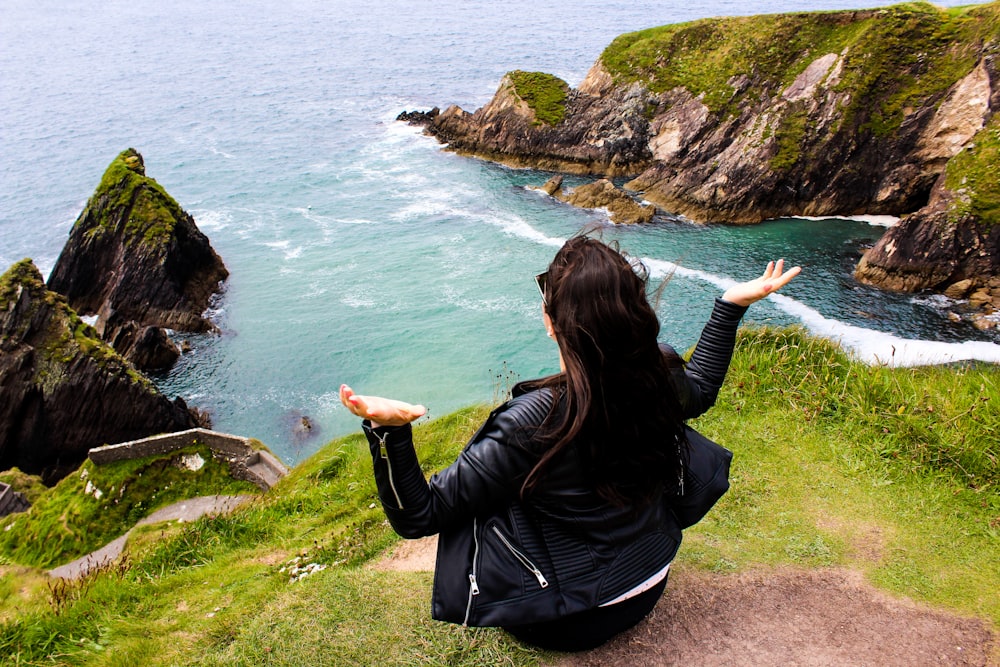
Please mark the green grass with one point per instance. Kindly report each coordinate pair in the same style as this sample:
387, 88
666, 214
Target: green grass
892, 472
67, 521
30, 486
894, 58
789, 138
973, 175
544, 93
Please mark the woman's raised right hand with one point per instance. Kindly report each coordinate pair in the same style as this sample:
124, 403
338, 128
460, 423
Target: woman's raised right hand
774, 278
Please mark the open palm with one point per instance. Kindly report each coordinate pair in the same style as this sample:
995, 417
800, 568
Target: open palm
774, 278
381, 411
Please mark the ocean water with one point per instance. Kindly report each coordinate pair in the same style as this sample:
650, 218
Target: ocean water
359, 250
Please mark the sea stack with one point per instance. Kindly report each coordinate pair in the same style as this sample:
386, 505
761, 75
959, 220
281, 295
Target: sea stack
138, 261
62, 389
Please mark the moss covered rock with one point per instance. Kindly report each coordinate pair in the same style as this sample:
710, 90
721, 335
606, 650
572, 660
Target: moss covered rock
136, 259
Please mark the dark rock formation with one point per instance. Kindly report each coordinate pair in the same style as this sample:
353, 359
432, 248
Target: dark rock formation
934, 249
951, 245
418, 117
744, 119
63, 390
604, 135
137, 260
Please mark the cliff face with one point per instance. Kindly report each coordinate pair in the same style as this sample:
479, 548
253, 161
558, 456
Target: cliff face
953, 243
137, 260
62, 390
597, 134
749, 118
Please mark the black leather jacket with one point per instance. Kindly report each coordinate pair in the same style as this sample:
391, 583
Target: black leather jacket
502, 561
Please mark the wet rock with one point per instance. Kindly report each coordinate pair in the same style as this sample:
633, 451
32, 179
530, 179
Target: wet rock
979, 298
419, 117
553, 186
622, 208
958, 290
984, 323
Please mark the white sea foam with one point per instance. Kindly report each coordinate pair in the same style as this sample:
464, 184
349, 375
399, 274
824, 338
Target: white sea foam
358, 301
457, 298
435, 203
516, 226
355, 221
936, 301
324, 221
873, 220
217, 151
877, 347
868, 345
212, 220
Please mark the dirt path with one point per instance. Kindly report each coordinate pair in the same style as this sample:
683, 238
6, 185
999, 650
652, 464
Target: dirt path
809, 618
184, 510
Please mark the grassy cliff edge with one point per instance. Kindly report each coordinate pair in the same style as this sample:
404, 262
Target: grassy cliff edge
890, 472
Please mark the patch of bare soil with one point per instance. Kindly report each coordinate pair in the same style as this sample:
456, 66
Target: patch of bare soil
764, 618
410, 556
818, 618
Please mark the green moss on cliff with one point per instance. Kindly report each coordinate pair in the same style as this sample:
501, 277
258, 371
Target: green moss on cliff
789, 138
892, 59
20, 274
126, 194
974, 175
65, 336
908, 56
544, 93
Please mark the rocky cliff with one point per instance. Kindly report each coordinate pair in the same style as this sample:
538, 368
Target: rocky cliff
748, 118
63, 390
138, 261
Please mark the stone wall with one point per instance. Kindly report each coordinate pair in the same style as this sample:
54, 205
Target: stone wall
11, 501
246, 463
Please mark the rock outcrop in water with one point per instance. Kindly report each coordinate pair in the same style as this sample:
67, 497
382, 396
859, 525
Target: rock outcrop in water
748, 118
137, 260
621, 208
62, 389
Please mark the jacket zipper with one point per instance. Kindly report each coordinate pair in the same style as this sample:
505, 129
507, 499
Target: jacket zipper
524, 560
473, 584
384, 453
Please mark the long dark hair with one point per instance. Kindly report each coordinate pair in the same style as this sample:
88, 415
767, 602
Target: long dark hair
617, 404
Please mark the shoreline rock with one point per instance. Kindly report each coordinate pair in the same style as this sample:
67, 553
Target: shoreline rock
745, 119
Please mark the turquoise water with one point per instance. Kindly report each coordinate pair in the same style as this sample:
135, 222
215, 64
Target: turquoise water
359, 251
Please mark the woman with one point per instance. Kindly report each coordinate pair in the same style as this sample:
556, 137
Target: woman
555, 522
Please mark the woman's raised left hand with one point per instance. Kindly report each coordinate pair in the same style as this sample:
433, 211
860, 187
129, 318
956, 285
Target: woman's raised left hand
380, 411
774, 278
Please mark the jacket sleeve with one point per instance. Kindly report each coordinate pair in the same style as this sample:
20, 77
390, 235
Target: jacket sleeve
698, 384
487, 474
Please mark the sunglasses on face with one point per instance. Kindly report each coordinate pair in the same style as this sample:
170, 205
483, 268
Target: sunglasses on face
541, 281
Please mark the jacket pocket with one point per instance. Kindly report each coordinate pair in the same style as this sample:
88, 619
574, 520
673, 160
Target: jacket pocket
511, 548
